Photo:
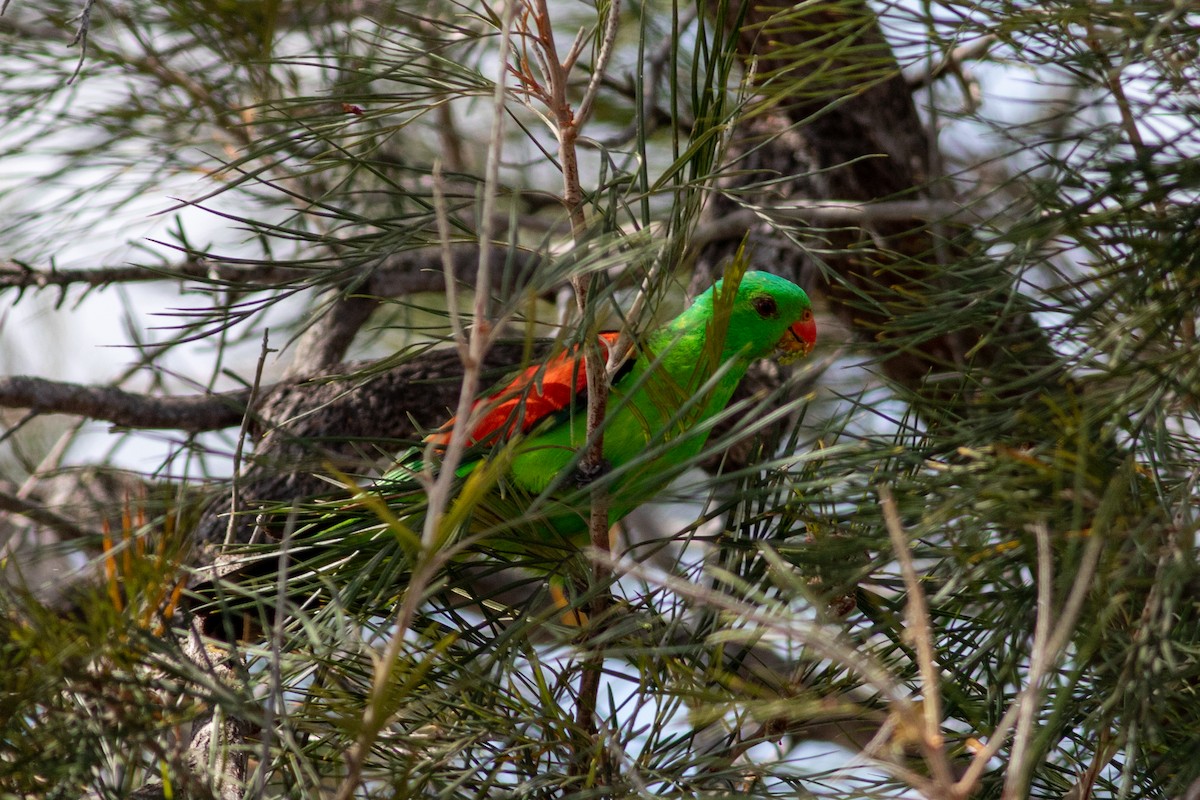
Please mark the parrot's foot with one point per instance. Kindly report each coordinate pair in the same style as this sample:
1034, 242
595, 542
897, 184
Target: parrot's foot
585, 474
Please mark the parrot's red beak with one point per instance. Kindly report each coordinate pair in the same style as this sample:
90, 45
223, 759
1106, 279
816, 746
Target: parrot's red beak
799, 340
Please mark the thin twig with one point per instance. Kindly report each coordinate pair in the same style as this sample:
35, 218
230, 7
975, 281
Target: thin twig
84, 18
954, 60
275, 706
920, 635
241, 441
568, 63
449, 275
15, 427
432, 557
1015, 777
52, 460
476, 344
621, 348
565, 124
601, 65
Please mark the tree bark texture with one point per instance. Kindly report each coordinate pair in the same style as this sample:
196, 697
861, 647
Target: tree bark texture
842, 126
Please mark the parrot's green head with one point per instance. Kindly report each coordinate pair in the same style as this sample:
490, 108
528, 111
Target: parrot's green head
766, 314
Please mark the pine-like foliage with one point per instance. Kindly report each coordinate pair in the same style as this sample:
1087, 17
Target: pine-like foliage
951, 555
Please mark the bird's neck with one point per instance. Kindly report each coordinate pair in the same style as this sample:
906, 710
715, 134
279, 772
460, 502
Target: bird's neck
683, 360
693, 343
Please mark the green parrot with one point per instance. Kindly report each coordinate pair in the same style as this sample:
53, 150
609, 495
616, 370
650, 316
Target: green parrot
683, 374
523, 497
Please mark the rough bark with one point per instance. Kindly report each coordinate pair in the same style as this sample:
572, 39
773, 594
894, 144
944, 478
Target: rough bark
192, 413
843, 127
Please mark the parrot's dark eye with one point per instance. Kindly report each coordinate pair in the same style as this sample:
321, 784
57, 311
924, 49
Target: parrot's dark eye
765, 306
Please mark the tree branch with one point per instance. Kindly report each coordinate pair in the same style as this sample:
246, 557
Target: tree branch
324, 344
820, 213
15, 275
42, 516
418, 270
849, 140
954, 61
186, 413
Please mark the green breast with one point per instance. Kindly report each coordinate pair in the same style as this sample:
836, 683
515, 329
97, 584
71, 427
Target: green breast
647, 413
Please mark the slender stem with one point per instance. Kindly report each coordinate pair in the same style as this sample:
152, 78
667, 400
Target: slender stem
234, 485
624, 343
601, 65
480, 337
1064, 626
433, 557
567, 125
1015, 777
275, 706
449, 274
920, 634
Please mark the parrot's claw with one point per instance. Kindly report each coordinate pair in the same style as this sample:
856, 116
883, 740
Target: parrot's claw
585, 474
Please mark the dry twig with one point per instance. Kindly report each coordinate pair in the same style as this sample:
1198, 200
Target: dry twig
472, 348
920, 636
567, 123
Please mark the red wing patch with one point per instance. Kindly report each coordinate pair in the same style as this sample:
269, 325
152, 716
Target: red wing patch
533, 395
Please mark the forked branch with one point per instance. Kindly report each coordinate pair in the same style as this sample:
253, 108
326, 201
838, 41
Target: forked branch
567, 123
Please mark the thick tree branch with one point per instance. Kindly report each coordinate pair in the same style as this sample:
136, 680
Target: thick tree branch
305, 422
324, 344
185, 413
850, 136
